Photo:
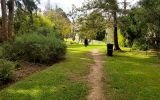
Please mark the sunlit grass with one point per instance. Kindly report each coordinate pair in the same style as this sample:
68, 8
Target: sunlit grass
132, 75
62, 81
129, 75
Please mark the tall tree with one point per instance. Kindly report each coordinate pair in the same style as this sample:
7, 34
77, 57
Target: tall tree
10, 18
91, 25
152, 19
7, 20
114, 10
4, 21
110, 6
116, 31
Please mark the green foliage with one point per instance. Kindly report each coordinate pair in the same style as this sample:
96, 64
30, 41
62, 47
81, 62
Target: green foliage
62, 23
54, 20
140, 44
121, 39
43, 30
35, 48
131, 26
143, 30
24, 15
21, 22
42, 21
91, 25
100, 35
6, 71
152, 19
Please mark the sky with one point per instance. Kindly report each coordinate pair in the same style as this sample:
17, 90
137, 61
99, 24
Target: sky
66, 5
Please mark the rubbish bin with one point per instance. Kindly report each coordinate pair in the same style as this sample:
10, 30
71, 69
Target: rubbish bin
110, 49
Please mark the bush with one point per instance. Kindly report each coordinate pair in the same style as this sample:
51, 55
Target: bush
43, 30
140, 44
6, 71
100, 36
35, 48
47, 31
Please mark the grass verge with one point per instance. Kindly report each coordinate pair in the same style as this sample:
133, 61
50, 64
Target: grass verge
62, 81
132, 76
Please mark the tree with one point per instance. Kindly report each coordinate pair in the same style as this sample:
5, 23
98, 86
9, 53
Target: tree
7, 20
114, 10
4, 21
91, 25
101, 35
116, 31
28, 6
61, 21
131, 25
110, 6
141, 26
152, 19
10, 19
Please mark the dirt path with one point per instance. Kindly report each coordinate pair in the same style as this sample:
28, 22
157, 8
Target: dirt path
95, 77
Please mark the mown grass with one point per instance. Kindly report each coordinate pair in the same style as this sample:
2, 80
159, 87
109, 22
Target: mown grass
128, 76
62, 81
132, 76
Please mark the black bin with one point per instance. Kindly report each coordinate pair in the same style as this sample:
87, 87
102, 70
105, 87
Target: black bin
110, 49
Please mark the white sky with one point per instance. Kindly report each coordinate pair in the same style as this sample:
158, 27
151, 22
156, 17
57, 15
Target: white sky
66, 5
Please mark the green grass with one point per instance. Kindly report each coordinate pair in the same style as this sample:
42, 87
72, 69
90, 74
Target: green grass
128, 76
132, 76
62, 81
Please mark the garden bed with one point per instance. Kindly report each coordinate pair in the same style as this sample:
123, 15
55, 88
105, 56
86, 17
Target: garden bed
27, 69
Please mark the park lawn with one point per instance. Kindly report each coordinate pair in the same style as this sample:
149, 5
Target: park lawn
132, 76
62, 81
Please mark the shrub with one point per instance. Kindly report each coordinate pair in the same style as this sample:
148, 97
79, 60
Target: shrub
6, 71
35, 48
43, 30
100, 36
140, 44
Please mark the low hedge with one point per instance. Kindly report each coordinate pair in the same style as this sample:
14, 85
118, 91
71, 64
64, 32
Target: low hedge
7, 70
35, 48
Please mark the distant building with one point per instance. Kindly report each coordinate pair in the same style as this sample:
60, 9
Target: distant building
110, 36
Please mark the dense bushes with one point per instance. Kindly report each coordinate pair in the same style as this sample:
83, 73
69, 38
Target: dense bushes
100, 35
6, 71
35, 48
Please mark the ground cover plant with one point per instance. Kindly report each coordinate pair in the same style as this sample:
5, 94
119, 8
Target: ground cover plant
7, 71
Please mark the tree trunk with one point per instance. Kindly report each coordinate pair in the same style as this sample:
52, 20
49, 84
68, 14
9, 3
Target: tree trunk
4, 21
10, 20
115, 31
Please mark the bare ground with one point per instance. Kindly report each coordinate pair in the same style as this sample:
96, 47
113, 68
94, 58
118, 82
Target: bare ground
26, 70
95, 77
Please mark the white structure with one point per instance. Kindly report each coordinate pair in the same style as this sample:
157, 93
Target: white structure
110, 36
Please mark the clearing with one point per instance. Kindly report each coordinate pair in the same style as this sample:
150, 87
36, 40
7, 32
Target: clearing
130, 75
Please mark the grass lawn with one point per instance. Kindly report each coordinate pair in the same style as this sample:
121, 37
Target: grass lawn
128, 76
62, 81
132, 76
